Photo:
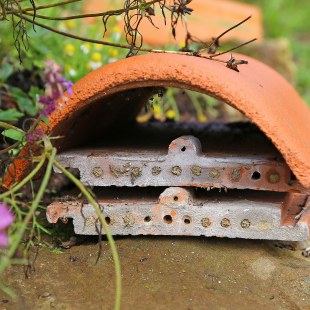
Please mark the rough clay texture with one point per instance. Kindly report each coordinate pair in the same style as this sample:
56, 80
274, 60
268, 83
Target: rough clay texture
257, 91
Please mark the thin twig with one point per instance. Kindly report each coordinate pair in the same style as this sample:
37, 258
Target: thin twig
9, 126
223, 33
113, 12
126, 10
25, 180
148, 50
233, 48
11, 147
42, 7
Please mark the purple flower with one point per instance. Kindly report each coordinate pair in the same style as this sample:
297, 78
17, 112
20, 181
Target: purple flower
6, 219
49, 104
55, 86
68, 86
34, 135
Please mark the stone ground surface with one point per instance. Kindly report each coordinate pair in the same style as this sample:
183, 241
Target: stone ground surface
166, 273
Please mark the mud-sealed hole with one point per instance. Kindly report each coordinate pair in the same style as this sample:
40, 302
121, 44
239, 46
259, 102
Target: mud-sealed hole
167, 219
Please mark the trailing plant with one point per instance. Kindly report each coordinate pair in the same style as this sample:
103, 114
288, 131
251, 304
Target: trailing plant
41, 154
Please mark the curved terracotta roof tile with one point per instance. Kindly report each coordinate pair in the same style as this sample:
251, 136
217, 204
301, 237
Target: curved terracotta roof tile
257, 90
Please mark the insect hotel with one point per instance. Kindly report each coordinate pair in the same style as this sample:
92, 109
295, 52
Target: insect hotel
250, 180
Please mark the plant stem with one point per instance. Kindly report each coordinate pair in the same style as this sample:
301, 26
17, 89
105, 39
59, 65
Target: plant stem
110, 13
11, 147
226, 31
170, 95
233, 48
25, 180
9, 126
41, 7
106, 230
195, 102
20, 232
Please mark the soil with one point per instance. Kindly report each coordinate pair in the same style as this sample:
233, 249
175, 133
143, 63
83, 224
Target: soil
165, 273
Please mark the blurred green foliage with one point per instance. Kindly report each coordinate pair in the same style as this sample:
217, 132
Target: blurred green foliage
290, 19
76, 57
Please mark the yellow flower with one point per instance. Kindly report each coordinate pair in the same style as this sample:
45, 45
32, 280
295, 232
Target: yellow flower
113, 52
158, 113
202, 118
157, 109
98, 46
181, 44
96, 57
170, 114
70, 24
143, 118
69, 49
88, 66
117, 29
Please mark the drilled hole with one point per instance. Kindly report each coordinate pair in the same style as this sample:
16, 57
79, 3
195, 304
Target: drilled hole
186, 219
108, 220
183, 149
175, 198
168, 219
147, 219
255, 175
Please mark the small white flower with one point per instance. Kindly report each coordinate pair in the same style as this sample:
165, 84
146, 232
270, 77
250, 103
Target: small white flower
84, 48
110, 60
62, 27
95, 65
72, 72
116, 36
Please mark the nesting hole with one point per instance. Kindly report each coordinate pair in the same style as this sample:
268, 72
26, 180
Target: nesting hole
108, 220
175, 198
147, 219
183, 149
168, 219
256, 175
187, 219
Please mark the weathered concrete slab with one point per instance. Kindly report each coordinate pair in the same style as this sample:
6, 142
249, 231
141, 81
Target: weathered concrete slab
182, 164
178, 213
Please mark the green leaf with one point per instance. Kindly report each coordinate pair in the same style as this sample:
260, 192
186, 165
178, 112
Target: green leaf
34, 92
10, 115
24, 103
13, 134
5, 71
45, 120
